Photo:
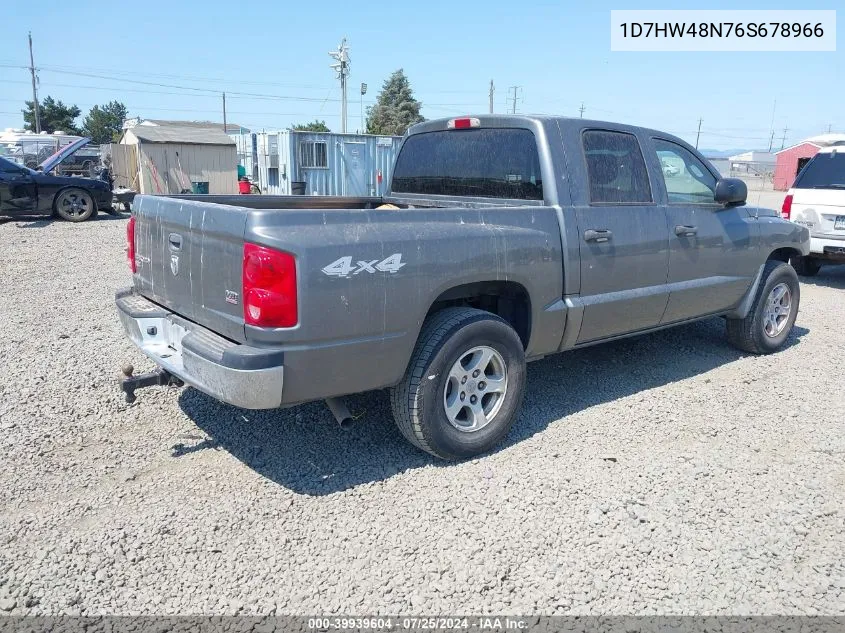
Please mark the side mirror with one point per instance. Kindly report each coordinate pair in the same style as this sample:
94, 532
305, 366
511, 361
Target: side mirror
731, 191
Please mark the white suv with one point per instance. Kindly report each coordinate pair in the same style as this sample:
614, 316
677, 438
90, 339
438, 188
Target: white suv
817, 201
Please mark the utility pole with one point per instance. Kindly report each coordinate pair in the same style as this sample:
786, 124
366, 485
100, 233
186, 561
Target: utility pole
829, 125
698, 134
34, 91
783, 139
225, 126
492, 90
342, 68
581, 109
516, 90
363, 92
772, 126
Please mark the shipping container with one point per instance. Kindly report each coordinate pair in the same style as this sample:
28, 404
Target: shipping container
286, 162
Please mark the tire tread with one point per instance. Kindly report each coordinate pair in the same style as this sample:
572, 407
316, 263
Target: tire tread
741, 332
404, 400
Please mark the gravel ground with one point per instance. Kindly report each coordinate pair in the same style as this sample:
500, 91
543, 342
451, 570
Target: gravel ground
665, 474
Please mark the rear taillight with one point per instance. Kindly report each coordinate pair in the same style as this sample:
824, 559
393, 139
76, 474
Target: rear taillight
269, 287
130, 244
786, 209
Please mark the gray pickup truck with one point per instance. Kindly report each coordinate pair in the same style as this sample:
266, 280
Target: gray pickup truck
502, 239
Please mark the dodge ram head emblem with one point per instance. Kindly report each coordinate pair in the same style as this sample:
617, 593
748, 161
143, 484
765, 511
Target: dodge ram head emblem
174, 264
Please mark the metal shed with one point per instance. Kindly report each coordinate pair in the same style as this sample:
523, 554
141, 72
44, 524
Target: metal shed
173, 158
318, 163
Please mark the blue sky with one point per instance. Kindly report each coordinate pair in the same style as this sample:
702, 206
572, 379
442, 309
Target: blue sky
179, 55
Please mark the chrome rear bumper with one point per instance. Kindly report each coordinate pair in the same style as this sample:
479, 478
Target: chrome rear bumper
241, 375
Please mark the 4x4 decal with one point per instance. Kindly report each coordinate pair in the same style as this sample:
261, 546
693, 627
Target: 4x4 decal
343, 266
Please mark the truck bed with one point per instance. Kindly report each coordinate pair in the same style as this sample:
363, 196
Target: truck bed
366, 278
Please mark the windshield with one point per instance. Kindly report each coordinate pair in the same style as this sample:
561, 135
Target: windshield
486, 163
825, 171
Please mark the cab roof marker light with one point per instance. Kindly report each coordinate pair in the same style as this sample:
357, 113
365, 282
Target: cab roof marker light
463, 124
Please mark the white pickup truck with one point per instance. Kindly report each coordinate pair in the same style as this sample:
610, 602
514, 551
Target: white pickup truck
817, 201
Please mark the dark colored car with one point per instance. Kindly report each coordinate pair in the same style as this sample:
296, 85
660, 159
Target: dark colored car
30, 192
83, 162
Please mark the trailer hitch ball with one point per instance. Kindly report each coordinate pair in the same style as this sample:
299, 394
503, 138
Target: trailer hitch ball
159, 377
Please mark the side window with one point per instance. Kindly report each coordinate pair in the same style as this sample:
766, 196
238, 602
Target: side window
687, 180
313, 154
615, 168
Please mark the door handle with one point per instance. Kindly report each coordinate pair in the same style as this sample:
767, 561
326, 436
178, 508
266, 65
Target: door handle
597, 235
683, 230
175, 241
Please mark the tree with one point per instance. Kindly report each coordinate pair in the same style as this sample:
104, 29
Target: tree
396, 109
104, 123
314, 126
54, 115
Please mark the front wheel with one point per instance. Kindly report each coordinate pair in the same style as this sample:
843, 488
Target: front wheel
464, 384
772, 314
74, 205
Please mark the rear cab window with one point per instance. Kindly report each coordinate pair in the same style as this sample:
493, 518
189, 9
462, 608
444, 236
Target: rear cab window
616, 170
479, 162
826, 170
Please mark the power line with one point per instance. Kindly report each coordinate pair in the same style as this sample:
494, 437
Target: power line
698, 134
212, 95
120, 73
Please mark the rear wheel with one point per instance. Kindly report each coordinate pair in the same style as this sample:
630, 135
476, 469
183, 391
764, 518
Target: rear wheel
806, 266
74, 205
464, 384
772, 314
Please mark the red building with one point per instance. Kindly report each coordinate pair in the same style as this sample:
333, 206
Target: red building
789, 161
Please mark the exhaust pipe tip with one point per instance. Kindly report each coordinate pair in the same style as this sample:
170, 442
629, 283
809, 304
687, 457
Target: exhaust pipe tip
340, 412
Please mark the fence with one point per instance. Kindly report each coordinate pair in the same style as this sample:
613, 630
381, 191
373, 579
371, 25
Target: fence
758, 176
124, 165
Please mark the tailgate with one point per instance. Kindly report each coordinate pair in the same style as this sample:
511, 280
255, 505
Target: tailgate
189, 257
821, 210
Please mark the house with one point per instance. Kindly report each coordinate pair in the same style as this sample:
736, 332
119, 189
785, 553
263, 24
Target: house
791, 160
167, 157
